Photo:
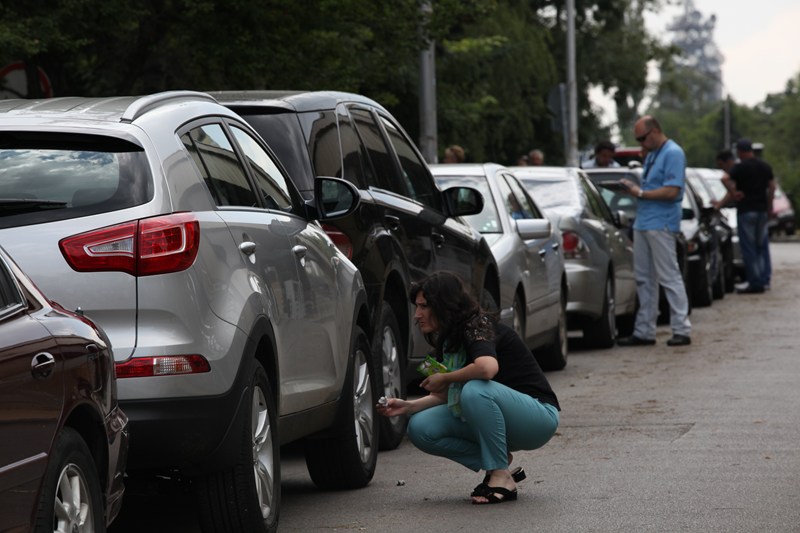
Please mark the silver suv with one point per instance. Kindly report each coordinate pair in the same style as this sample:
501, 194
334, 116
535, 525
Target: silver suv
237, 325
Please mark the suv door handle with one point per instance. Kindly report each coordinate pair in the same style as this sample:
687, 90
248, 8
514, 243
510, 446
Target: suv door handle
42, 365
438, 239
247, 248
392, 222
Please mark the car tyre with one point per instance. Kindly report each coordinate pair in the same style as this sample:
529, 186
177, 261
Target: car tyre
554, 356
719, 286
518, 318
346, 457
389, 352
71, 497
247, 496
703, 292
601, 333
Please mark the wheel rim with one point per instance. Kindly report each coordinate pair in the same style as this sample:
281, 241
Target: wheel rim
364, 412
263, 453
73, 510
390, 362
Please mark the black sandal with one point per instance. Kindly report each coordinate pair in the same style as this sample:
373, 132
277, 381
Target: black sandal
518, 474
496, 495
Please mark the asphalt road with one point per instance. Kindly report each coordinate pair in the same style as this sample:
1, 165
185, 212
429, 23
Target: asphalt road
704, 438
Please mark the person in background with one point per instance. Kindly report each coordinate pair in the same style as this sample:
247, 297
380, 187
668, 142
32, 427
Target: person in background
453, 154
492, 398
603, 156
725, 162
522, 161
658, 218
752, 185
536, 158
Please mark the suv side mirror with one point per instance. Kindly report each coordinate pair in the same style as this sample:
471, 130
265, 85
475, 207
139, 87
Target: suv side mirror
462, 201
333, 198
687, 213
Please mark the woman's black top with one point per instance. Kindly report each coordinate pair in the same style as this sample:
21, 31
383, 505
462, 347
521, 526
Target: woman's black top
518, 367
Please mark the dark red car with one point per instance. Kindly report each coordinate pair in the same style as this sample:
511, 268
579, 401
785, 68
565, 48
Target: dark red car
63, 439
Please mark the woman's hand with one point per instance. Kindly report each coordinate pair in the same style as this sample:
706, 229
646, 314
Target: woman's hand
394, 407
435, 383
399, 406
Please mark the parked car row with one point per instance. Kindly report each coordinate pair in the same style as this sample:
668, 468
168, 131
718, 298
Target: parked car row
254, 291
232, 273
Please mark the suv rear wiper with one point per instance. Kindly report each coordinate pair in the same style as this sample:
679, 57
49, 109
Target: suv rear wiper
13, 206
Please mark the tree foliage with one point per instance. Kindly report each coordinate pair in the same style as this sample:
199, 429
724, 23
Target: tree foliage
498, 61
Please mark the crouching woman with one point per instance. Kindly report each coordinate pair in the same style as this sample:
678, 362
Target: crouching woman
492, 400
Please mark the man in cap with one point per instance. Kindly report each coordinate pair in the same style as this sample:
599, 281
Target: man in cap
752, 184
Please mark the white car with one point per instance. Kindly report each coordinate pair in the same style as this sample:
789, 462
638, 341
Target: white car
527, 250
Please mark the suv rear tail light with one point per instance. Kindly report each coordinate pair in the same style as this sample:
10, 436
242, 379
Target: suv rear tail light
573, 245
143, 247
162, 365
342, 241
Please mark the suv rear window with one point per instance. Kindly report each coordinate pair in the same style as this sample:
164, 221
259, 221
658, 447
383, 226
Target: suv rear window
45, 178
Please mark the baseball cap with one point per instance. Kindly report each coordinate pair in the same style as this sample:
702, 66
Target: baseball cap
744, 145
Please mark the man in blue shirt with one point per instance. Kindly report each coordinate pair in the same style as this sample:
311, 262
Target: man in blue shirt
658, 218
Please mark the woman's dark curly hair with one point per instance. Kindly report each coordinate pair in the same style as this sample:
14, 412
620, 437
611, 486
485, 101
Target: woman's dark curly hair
459, 315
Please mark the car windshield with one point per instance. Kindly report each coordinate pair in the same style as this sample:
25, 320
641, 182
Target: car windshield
553, 194
717, 187
487, 220
48, 178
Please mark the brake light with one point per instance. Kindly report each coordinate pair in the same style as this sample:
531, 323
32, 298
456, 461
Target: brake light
162, 365
143, 247
573, 245
342, 241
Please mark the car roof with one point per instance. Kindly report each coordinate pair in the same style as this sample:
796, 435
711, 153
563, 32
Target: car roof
465, 169
297, 101
109, 109
545, 173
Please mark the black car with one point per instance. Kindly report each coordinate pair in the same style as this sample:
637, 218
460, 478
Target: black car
405, 227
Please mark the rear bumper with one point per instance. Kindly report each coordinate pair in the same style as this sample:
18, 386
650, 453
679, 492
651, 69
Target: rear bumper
189, 434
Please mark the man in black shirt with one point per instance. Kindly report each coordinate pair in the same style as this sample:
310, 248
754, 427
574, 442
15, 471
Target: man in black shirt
752, 184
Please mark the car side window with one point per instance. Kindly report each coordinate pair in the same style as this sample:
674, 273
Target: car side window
377, 150
416, 178
10, 298
322, 137
596, 204
271, 183
221, 170
526, 208
357, 168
